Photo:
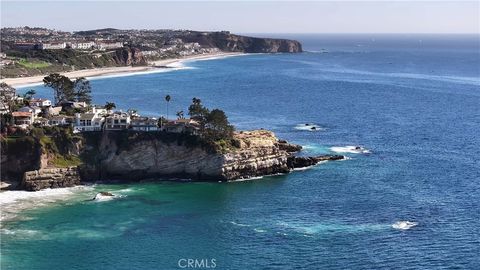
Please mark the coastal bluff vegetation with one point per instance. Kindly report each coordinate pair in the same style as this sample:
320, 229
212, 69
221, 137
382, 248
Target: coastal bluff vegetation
28, 51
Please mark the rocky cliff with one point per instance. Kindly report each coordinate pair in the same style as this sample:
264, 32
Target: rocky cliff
236, 43
134, 156
127, 56
258, 153
51, 178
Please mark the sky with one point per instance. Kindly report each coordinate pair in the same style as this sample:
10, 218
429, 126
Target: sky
249, 16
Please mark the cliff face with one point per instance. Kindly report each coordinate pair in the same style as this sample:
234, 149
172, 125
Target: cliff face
133, 156
51, 178
129, 56
19, 156
237, 43
259, 154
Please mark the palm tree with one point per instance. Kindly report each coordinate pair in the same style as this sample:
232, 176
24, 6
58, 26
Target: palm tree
167, 99
180, 114
109, 106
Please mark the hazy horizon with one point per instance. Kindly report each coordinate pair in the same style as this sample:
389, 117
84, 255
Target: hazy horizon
250, 17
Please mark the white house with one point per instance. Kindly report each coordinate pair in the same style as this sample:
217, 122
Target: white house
90, 121
23, 118
86, 45
54, 46
117, 121
39, 102
108, 45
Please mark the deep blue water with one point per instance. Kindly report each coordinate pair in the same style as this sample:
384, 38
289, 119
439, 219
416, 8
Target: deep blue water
413, 101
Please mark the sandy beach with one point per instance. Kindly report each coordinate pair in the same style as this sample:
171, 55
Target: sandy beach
109, 71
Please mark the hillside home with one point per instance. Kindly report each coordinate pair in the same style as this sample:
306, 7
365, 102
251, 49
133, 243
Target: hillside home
23, 118
144, 124
39, 102
90, 121
117, 121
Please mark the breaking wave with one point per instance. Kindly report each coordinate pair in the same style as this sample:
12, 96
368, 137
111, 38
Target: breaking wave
350, 149
404, 225
309, 127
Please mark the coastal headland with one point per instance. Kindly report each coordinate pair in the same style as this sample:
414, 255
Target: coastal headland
45, 161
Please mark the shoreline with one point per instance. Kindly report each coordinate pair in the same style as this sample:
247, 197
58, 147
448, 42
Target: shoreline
97, 73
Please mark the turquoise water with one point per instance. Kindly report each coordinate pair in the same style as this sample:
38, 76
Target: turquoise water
412, 101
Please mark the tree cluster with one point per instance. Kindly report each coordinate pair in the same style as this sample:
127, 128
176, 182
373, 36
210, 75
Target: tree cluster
65, 89
214, 124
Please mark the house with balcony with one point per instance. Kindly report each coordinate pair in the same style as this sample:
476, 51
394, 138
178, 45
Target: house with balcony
23, 118
144, 124
117, 121
90, 121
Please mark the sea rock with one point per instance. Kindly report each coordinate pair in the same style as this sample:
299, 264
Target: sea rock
289, 147
51, 178
294, 162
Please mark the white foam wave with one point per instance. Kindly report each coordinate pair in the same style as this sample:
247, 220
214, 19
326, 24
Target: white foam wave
350, 149
259, 230
101, 198
239, 224
14, 201
309, 127
404, 225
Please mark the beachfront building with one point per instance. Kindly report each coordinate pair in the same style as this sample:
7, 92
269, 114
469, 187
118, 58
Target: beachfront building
90, 121
39, 102
108, 45
85, 45
117, 121
23, 118
54, 46
144, 124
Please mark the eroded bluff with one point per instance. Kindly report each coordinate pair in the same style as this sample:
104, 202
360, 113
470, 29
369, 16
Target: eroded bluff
149, 155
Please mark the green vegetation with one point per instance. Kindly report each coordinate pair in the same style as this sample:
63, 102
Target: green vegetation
66, 161
57, 142
33, 63
214, 125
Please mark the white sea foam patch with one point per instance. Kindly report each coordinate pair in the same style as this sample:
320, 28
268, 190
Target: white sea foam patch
14, 201
404, 225
312, 228
136, 73
239, 224
309, 127
310, 167
350, 149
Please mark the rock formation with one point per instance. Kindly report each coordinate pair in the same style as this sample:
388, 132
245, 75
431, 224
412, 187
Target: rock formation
134, 156
51, 178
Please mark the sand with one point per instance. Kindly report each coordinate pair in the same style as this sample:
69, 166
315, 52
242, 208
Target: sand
109, 71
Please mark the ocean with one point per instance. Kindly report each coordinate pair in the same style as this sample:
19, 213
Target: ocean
411, 200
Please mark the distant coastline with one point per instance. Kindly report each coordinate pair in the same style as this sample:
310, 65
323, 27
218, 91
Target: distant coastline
155, 66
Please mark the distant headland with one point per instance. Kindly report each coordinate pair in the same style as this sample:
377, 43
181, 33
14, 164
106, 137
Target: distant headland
33, 52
